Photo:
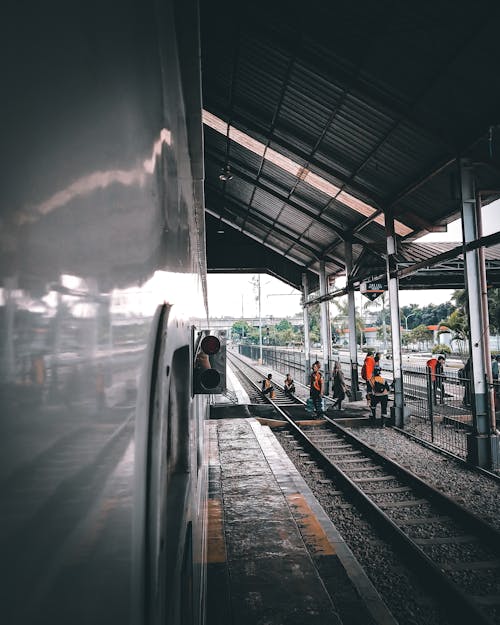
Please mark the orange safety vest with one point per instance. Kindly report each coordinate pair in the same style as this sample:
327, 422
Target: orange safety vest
316, 380
432, 364
369, 366
380, 380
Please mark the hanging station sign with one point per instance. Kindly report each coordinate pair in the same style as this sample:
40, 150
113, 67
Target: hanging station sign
372, 289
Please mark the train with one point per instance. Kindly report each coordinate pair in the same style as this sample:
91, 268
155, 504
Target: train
103, 269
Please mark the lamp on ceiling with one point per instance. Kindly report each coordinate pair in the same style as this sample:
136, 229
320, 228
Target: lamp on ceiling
220, 227
225, 174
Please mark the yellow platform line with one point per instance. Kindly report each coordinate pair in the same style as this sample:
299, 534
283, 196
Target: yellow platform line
216, 545
312, 532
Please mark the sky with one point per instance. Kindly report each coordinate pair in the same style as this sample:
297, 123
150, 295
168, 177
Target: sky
234, 295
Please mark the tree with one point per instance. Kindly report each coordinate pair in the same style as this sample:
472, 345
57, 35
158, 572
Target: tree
420, 334
284, 324
241, 328
342, 306
427, 315
458, 322
494, 310
314, 323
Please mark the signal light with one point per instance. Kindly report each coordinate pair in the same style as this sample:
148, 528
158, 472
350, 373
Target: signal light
210, 344
209, 373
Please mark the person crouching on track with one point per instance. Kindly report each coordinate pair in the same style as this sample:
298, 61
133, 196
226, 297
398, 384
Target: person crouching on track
316, 388
378, 390
267, 386
289, 385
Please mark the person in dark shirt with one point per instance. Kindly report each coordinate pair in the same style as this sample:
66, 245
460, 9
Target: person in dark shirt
379, 393
338, 385
289, 385
267, 386
439, 382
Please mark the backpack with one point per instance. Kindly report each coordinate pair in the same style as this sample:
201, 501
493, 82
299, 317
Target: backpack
378, 387
363, 371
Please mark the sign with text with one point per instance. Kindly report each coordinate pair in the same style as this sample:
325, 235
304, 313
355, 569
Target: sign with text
372, 289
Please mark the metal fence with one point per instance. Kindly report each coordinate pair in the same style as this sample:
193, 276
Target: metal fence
278, 359
287, 360
439, 408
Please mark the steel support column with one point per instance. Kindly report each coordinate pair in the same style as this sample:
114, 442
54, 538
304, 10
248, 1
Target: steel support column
479, 442
393, 288
356, 394
307, 342
326, 331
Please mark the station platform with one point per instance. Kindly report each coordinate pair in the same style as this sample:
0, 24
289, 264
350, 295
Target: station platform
274, 557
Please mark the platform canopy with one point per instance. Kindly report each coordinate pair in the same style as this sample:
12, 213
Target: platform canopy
321, 118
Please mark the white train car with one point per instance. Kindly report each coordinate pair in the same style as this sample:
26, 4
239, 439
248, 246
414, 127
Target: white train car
102, 266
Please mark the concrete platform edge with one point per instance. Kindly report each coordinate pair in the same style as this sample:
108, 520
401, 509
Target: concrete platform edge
367, 592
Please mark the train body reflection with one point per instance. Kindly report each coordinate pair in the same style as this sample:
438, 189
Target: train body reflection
102, 267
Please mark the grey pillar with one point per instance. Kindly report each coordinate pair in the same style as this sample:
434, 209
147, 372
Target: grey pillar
356, 394
393, 288
486, 321
307, 342
326, 333
479, 444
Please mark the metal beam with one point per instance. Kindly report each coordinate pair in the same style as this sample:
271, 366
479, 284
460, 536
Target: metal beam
261, 222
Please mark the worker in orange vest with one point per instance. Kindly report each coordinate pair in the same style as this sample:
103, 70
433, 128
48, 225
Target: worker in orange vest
317, 388
267, 386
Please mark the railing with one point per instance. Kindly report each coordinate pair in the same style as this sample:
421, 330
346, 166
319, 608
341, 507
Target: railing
287, 360
439, 408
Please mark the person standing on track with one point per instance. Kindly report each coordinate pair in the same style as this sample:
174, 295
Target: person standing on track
379, 393
338, 385
316, 388
367, 372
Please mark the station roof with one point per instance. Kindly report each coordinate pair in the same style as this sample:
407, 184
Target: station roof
320, 116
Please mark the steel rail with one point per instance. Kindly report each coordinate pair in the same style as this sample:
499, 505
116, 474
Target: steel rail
464, 608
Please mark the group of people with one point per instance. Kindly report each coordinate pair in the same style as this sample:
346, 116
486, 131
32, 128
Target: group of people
317, 386
268, 387
377, 386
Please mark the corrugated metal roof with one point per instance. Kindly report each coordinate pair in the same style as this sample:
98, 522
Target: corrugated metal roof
328, 128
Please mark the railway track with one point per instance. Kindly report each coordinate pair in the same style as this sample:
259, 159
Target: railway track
453, 551
251, 380
457, 553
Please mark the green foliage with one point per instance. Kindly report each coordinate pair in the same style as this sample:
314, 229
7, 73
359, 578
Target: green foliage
441, 349
380, 332
283, 325
458, 324
241, 328
427, 315
420, 334
494, 310
342, 306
